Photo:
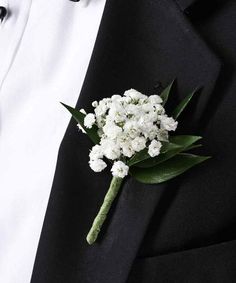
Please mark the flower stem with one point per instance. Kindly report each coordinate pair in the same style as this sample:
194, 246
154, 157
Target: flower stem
102, 214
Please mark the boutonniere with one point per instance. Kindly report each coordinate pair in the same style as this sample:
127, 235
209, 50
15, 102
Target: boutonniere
132, 132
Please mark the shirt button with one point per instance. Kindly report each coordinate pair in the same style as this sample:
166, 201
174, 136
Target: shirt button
3, 9
3, 13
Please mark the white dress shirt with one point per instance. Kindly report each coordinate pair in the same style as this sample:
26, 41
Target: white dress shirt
45, 48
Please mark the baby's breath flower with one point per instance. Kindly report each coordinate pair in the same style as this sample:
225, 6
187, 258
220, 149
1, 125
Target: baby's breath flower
89, 120
126, 125
138, 144
115, 97
95, 103
97, 165
110, 149
119, 169
155, 99
96, 152
111, 130
168, 123
127, 149
134, 94
154, 148
83, 111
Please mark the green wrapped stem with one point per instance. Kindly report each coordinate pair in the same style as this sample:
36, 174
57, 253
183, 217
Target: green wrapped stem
102, 214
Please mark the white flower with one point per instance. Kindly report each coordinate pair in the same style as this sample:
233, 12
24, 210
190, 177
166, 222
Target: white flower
95, 104
97, 165
126, 99
115, 97
145, 124
111, 150
168, 123
151, 132
100, 121
127, 149
96, 152
117, 113
148, 107
83, 111
89, 120
112, 153
154, 148
126, 125
138, 144
133, 109
159, 109
101, 108
131, 129
134, 94
111, 130
119, 169
155, 99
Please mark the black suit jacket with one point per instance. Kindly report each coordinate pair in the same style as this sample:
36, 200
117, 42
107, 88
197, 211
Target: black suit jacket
180, 231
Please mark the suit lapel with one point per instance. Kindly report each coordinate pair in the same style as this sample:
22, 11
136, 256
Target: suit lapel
185, 4
139, 43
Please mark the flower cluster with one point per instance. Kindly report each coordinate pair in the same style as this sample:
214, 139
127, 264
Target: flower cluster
126, 125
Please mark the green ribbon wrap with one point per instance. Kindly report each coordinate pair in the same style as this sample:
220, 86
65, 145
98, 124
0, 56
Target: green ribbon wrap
102, 214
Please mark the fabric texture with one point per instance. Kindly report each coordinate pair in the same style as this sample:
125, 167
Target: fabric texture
185, 4
212, 264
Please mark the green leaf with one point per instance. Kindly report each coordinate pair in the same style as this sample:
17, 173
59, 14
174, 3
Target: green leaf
180, 108
159, 159
178, 144
79, 117
168, 169
168, 146
184, 140
139, 156
143, 154
193, 147
165, 93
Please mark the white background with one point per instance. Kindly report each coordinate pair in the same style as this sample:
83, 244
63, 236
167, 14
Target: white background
45, 48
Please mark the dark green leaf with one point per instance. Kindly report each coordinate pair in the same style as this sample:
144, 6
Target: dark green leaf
193, 147
167, 170
79, 117
180, 108
184, 140
178, 144
143, 154
165, 93
139, 156
168, 146
150, 162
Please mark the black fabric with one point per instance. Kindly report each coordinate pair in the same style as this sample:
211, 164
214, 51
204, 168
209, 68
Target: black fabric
213, 264
198, 6
178, 226
185, 4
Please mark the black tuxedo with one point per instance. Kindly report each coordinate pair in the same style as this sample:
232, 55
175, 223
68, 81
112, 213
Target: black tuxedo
180, 231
